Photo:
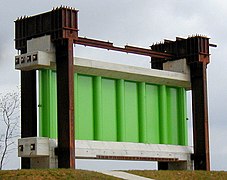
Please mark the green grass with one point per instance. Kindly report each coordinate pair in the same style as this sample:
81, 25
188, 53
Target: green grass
46, 174
173, 175
49, 174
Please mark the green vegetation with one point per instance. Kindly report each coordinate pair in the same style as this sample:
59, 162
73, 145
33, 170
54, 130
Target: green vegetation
172, 175
49, 174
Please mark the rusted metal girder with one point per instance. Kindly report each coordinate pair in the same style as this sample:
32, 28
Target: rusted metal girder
196, 51
65, 103
126, 49
28, 108
61, 24
198, 65
138, 158
200, 116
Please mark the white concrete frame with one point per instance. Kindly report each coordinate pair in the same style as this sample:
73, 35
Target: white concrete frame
43, 156
132, 73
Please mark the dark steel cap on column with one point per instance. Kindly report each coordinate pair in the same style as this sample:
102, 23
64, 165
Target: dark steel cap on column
60, 23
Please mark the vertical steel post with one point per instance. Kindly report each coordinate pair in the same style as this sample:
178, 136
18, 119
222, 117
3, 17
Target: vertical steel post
28, 108
200, 116
65, 104
198, 51
61, 24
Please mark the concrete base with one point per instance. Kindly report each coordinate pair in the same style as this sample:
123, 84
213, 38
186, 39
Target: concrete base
185, 165
180, 165
172, 157
43, 153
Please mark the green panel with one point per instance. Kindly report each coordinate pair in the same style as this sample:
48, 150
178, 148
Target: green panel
109, 111
117, 110
163, 117
53, 106
131, 112
44, 103
172, 112
48, 104
182, 115
84, 117
152, 114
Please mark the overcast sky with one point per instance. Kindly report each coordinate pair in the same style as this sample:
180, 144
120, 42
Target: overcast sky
140, 23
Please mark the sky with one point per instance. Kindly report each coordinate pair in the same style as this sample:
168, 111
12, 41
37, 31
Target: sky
139, 23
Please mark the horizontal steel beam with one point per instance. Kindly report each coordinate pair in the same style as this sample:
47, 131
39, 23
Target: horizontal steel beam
126, 49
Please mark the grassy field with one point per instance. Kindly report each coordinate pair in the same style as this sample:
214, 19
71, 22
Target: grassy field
48, 174
81, 174
172, 175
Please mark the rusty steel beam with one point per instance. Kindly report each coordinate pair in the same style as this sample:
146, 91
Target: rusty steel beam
200, 116
28, 108
196, 51
198, 65
126, 49
59, 23
138, 158
65, 103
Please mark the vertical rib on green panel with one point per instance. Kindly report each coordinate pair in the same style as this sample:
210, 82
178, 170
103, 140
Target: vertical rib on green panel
120, 110
185, 117
152, 114
182, 123
97, 100
53, 105
44, 103
142, 112
76, 119
163, 115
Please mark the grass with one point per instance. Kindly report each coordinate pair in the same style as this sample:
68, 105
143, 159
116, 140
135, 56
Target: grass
186, 175
48, 174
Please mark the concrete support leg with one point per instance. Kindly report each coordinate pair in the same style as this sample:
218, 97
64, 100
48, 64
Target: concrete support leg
182, 165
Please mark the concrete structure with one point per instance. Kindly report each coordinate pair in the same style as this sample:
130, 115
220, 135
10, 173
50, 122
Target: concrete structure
58, 29
42, 152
